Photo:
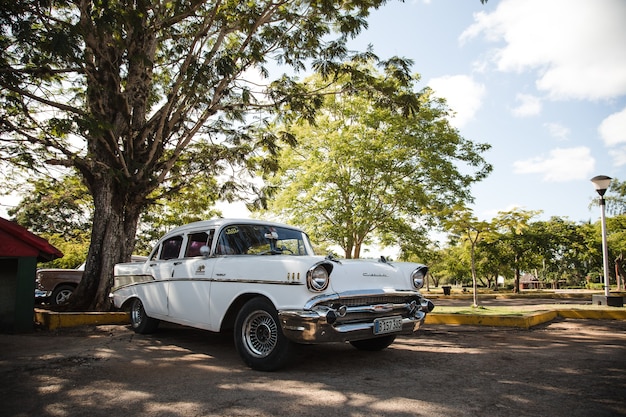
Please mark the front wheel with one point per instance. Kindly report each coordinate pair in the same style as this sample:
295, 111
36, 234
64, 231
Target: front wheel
372, 345
139, 320
258, 337
61, 294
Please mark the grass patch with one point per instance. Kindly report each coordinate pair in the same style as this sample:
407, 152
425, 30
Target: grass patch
482, 310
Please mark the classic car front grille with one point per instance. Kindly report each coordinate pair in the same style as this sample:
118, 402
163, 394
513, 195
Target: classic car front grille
364, 301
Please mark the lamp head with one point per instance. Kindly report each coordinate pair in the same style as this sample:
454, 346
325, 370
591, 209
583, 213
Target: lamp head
601, 182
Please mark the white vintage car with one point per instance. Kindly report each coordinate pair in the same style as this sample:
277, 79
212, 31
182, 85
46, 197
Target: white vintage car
262, 281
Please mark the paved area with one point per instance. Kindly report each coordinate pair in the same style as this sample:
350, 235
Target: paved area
564, 368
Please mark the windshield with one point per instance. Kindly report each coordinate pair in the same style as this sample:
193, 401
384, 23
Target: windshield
251, 239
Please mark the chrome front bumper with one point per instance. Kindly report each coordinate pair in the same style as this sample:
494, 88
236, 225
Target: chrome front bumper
337, 322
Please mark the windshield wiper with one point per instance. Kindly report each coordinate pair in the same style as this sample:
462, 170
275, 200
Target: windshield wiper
271, 252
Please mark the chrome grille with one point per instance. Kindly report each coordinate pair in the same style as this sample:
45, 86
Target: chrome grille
364, 301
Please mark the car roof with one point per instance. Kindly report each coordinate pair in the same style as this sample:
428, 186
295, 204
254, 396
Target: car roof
221, 222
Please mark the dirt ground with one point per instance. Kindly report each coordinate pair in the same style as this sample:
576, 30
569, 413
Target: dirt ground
565, 368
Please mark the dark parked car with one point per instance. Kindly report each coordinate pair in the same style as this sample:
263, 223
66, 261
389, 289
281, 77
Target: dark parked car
55, 285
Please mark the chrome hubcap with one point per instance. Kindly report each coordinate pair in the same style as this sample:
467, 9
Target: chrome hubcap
136, 313
260, 333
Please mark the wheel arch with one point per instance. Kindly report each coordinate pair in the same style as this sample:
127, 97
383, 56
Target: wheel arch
65, 284
228, 323
128, 302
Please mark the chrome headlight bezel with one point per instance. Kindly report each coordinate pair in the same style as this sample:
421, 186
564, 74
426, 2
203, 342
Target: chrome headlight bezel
318, 277
418, 276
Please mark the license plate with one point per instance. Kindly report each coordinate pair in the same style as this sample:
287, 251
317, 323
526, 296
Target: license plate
387, 325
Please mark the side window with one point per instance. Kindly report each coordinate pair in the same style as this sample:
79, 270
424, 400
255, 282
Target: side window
231, 241
171, 248
195, 241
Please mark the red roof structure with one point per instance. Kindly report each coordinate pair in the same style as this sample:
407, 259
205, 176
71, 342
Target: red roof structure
16, 241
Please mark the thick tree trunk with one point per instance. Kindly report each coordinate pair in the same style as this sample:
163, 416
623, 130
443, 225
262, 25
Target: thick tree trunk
112, 241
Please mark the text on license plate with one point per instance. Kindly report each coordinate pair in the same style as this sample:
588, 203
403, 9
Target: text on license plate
388, 325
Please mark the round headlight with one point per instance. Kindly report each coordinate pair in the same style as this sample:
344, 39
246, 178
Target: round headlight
418, 276
317, 278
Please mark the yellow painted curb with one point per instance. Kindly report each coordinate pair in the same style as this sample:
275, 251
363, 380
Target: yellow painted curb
603, 314
53, 320
523, 322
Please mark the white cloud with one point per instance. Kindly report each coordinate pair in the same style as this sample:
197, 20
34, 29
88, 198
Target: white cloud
576, 47
613, 129
619, 156
529, 105
560, 165
557, 130
463, 95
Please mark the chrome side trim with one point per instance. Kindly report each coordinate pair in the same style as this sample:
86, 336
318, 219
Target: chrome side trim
126, 280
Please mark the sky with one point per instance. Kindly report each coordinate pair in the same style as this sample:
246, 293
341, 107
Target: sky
542, 81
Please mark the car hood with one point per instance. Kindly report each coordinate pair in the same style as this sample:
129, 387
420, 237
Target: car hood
366, 274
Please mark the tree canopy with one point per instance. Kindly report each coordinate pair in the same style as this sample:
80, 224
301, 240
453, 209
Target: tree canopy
367, 167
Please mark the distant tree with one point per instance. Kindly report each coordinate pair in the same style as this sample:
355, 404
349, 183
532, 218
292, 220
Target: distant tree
368, 167
59, 210
490, 262
616, 197
513, 231
55, 205
454, 265
468, 228
562, 249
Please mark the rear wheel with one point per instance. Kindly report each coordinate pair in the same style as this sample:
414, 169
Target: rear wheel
372, 345
139, 320
61, 294
258, 337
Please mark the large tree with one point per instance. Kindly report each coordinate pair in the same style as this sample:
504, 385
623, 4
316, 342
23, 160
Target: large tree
139, 96
367, 168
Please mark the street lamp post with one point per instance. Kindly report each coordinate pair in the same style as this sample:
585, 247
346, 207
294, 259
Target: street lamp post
601, 182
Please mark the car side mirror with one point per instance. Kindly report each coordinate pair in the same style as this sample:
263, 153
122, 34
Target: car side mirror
205, 251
